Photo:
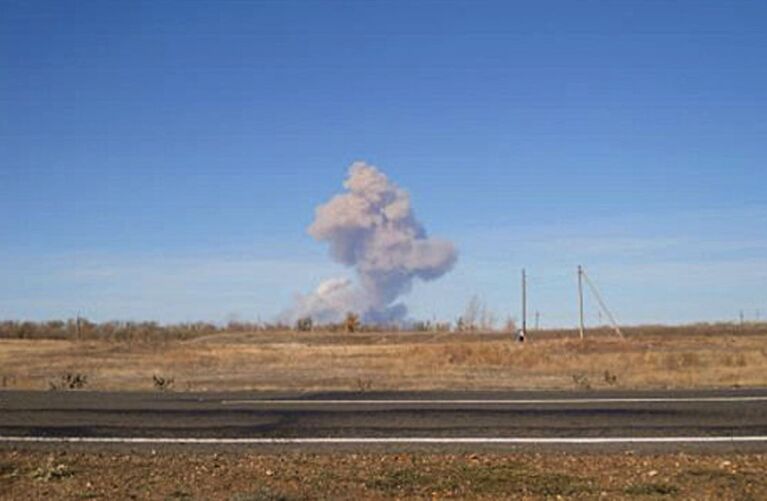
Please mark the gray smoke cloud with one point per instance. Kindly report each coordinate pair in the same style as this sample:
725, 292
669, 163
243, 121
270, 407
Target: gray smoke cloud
371, 227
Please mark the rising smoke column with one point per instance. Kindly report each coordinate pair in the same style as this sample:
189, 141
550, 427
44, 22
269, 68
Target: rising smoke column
371, 227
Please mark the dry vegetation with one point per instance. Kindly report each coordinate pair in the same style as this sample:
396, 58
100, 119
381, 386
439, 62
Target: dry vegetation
246, 476
649, 357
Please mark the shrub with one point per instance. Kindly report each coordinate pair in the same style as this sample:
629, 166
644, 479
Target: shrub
69, 381
162, 383
582, 381
364, 385
304, 324
352, 322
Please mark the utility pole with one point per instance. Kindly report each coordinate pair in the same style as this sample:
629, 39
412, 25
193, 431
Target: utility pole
524, 306
580, 298
537, 319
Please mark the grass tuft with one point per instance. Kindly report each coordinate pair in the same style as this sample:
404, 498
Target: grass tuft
263, 494
651, 489
477, 480
68, 381
52, 471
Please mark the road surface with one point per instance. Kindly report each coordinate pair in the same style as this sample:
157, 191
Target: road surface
733, 420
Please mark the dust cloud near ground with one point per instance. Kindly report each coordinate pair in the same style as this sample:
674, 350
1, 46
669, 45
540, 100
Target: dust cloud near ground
649, 358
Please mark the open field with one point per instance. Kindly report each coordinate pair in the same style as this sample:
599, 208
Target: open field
240, 476
649, 358
652, 357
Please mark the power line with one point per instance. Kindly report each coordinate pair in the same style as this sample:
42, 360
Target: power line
601, 302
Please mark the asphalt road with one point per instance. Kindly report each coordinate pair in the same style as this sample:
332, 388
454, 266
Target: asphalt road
678, 420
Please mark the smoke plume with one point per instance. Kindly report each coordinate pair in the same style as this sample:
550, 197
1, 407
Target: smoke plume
371, 227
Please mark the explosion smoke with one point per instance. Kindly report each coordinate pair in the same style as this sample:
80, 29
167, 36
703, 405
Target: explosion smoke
371, 227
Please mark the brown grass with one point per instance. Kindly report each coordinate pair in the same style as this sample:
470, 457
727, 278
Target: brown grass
651, 358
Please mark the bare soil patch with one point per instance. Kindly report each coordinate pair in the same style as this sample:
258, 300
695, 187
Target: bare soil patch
244, 476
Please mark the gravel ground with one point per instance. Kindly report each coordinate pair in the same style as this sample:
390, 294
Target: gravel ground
240, 476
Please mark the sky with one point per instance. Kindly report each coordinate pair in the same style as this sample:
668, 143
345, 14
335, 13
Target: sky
162, 160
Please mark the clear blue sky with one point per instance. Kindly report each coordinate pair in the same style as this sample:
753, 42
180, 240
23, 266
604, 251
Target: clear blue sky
162, 160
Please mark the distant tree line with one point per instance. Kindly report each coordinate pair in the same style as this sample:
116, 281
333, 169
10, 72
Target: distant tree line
82, 328
475, 318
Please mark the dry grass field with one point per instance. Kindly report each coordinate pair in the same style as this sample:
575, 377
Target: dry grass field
649, 357
705, 356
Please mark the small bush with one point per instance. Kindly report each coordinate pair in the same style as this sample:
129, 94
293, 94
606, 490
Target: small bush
6, 381
304, 324
422, 326
582, 381
68, 381
352, 322
8, 470
162, 383
52, 471
364, 385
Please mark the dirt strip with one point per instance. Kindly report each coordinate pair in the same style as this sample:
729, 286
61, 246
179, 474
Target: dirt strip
239, 476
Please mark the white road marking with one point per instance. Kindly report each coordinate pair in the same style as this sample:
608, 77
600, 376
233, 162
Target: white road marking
389, 440
552, 401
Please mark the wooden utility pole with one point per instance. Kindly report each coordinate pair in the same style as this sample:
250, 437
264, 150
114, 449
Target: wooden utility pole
580, 298
537, 319
524, 305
